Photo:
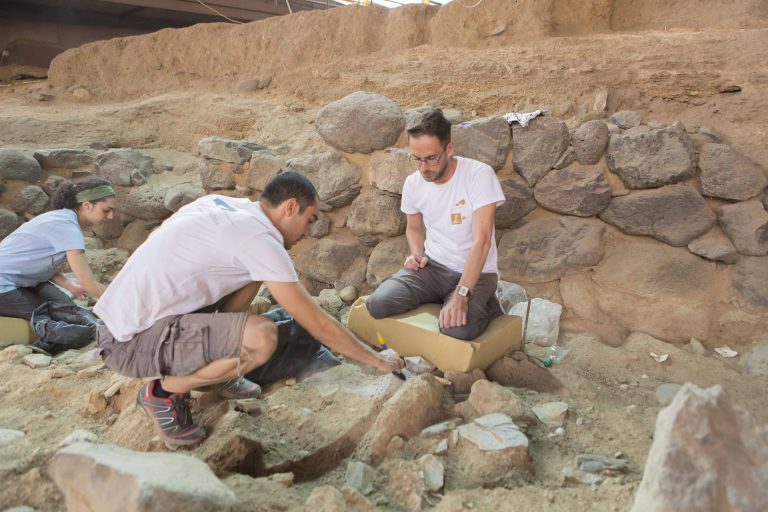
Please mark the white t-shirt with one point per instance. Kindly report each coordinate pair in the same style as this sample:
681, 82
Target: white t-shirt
447, 211
207, 250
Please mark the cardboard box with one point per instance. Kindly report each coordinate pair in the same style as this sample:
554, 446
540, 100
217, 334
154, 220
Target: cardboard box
16, 330
417, 333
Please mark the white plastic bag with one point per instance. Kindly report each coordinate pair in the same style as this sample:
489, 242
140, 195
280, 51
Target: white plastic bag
543, 321
509, 294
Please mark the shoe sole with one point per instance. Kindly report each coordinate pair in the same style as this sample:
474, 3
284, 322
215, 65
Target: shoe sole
171, 443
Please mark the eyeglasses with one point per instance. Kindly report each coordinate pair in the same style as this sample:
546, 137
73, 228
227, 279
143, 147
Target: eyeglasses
430, 160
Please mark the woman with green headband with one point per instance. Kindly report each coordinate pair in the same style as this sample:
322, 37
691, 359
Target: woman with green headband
31, 256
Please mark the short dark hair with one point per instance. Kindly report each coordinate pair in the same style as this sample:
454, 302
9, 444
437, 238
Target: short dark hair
290, 184
65, 195
432, 122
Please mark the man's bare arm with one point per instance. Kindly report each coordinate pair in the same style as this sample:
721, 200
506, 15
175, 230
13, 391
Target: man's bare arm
415, 234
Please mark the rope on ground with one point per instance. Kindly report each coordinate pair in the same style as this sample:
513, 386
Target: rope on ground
220, 14
469, 6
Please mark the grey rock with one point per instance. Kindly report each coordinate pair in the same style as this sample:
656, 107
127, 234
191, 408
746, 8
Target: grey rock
105, 263
576, 190
566, 159
179, 195
551, 414
265, 165
589, 142
125, 167
727, 174
7, 436
580, 477
91, 476
590, 463
330, 301
63, 158
626, 119
15, 165
645, 158
388, 170
518, 203
433, 472
441, 429
217, 175
715, 246
232, 151
757, 360
110, 230
487, 140
536, 148
321, 227
327, 259
666, 392
52, 183
746, 224
488, 397
348, 294
750, 279
9, 221
414, 115
145, 202
708, 455
386, 259
37, 361
493, 432
676, 214
360, 476
361, 122
709, 133
545, 249
337, 181
79, 436
31, 199
376, 213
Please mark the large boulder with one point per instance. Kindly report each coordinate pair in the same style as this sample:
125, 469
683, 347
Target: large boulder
144, 202
110, 478
376, 213
9, 221
518, 203
653, 288
31, 199
645, 158
750, 279
326, 260
337, 181
589, 141
386, 259
537, 147
388, 170
576, 190
125, 167
746, 224
708, 455
15, 165
727, 174
264, 166
545, 249
675, 214
232, 151
361, 122
63, 158
487, 140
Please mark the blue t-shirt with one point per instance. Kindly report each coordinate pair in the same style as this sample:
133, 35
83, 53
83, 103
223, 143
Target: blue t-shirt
33, 253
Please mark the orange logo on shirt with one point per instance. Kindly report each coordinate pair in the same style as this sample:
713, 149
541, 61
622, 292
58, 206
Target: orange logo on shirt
455, 218
461, 203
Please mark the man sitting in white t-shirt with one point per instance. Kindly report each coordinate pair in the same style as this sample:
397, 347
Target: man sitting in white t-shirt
175, 310
450, 203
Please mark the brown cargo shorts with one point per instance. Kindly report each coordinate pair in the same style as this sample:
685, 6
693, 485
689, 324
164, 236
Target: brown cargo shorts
177, 345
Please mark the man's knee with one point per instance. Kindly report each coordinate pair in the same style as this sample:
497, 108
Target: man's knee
260, 338
467, 332
377, 306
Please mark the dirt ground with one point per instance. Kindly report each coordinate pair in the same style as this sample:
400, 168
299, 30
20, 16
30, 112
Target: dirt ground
667, 75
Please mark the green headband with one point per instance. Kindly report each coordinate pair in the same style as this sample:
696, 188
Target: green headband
92, 194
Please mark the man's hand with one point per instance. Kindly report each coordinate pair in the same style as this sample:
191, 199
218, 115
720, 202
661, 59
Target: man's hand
413, 262
77, 291
390, 361
454, 313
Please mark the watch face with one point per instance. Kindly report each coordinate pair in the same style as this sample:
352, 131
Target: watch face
462, 290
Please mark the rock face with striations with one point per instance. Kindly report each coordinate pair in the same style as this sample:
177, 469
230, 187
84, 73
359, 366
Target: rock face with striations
337, 181
487, 140
578, 190
537, 147
727, 174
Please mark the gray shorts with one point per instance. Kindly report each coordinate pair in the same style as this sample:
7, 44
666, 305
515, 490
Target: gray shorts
176, 345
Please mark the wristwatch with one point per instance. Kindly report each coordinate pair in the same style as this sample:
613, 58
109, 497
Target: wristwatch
463, 291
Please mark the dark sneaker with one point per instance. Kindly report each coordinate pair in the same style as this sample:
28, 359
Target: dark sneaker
236, 388
172, 417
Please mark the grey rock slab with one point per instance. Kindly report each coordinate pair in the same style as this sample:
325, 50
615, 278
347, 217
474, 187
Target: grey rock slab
106, 478
125, 167
757, 360
37, 360
264, 166
487, 140
626, 119
361, 122
581, 477
337, 180
376, 213
727, 174
589, 142
386, 259
746, 224
519, 202
545, 249
666, 392
389, 169
493, 432
591, 463
714, 246
551, 414
8, 436
750, 279
675, 214
180, 195
9, 221
327, 259
708, 454
360, 476
646, 158
31, 199
577, 190
15, 165
226, 150
433, 472
536, 148
63, 158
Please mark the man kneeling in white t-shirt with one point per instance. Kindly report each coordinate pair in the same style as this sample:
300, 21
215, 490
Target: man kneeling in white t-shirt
175, 310
450, 203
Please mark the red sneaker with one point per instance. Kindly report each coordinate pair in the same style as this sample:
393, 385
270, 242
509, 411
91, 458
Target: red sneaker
172, 417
